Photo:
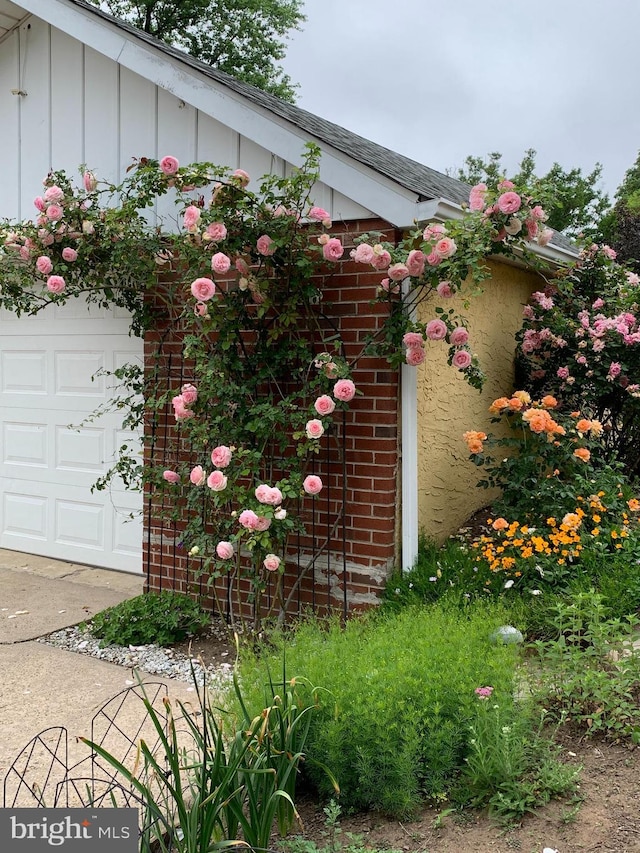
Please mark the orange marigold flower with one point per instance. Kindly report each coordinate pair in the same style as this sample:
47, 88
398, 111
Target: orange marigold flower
500, 524
582, 453
549, 402
634, 505
499, 405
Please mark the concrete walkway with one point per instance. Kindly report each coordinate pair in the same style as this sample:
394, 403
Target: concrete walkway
42, 686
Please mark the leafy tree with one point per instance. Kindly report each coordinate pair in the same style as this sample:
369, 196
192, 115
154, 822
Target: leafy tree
574, 203
245, 38
622, 224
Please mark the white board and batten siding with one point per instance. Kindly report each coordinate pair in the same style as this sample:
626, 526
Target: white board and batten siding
82, 107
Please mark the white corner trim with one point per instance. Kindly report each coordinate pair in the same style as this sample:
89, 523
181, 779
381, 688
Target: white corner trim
409, 449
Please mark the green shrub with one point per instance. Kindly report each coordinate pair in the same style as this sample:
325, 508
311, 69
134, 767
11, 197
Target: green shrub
162, 618
589, 673
394, 725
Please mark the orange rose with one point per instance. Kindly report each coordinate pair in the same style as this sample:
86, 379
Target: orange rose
500, 524
634, 505
582, 453
498, 405
583, 425
549, 402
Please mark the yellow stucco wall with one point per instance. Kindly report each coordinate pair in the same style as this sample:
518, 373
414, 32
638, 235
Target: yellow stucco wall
448, 407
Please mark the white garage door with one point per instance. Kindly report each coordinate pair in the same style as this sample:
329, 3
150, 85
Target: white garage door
47, 384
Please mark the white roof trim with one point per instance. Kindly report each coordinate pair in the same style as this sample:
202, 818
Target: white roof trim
363, 185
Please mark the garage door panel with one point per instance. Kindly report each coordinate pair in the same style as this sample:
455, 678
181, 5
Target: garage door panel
52, 450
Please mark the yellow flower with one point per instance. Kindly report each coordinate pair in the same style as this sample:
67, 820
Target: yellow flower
595, 531
597, 519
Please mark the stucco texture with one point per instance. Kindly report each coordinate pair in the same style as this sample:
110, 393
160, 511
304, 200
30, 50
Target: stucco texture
448, 406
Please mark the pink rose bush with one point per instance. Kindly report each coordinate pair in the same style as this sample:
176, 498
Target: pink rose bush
312, 485
203, 289
169, 165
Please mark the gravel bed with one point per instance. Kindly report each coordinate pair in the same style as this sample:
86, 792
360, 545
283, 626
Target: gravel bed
151, 659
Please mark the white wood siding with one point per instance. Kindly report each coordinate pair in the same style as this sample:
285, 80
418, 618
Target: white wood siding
82, 107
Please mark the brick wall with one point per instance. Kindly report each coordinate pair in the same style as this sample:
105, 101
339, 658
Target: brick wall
358, 509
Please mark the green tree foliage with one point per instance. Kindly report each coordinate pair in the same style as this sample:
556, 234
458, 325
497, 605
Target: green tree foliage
244, 38
573, 201
622, 224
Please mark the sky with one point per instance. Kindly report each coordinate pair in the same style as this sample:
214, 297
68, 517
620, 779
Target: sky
437, 81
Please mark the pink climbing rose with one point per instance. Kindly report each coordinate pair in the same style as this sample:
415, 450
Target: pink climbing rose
44, 265
344, 390
221, 456
459, 336
312, 484
191, 217
333, 250
461, 359
265, 246
203, 289
189, 393
220, 263
216, 231
324, 405
436, 330
414, 356
171, 476
509, 202
56, 284
314, 429
197, 476
169, 165
217, 481
271, 563
70, 255
224, 550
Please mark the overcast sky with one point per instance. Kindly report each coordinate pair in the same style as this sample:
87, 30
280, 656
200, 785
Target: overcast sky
437, 81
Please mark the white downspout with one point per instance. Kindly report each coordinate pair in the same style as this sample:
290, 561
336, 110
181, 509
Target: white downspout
409, 469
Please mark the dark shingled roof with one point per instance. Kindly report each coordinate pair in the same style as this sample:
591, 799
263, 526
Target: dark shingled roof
425, 182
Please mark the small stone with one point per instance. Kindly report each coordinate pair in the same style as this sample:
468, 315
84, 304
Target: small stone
506, 635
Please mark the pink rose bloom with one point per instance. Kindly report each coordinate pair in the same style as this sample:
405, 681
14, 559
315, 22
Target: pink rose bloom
69, 254
333, 250
506, 185
386, 285
203, 289
25, 253
632, 279
241, 176
88, 227
599, 303
436, 330
314, 428
191, 216
56, 284
180, 411
562, 372
54, 213
265, 246
445, 290
217, 231
262, 523
200, 309
220, 263
509, 202
397, 272
581, 359
615, 369
538, 213
320, 215
221, 456
445, 247
271, 563
607, 251
89, 181
189, 394
415, 262
528, 313
169, 165
224, 550
53, 194
476, 197
381, 258
262, 493
45, 238
433, 258
40, 203
414, 356
413, 339
344, 390
44, 265
217, 481
248, 519
432, 232
197, 476
171, 476
544, 236
312, 484
362, 254
459, 336
324, 405
461, 359
532, 228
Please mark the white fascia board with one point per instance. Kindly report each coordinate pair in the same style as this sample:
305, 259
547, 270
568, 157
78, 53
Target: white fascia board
368, 188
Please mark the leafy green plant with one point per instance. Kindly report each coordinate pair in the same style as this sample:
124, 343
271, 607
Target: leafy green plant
156, 617
590, 672
512, 766
393, 726
334, 838
215, 779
